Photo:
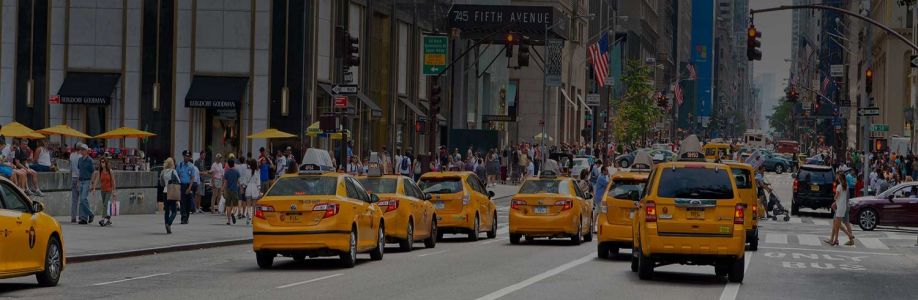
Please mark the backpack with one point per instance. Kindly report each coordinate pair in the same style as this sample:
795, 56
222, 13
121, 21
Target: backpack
405, 164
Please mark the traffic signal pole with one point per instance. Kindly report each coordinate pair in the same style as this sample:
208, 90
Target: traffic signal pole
865, 102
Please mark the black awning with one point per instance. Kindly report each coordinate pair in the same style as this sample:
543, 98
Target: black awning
88, 88
411, 106
216, 92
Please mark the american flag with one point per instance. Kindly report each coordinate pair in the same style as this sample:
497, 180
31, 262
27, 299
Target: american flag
825, 85
677, 93
599, 57
691, 72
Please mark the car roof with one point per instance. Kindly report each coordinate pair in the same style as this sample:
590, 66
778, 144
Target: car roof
816, 167
736, 164
685, 164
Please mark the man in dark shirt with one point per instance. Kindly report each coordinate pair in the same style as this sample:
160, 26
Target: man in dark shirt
86, 169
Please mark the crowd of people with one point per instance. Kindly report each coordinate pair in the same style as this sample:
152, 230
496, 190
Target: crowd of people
21, 164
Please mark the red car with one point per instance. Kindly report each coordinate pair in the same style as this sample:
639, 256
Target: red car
897, 206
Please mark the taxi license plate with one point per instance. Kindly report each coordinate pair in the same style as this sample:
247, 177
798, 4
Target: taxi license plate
695, 213
541, 210
814, 188
293, 218
439, 205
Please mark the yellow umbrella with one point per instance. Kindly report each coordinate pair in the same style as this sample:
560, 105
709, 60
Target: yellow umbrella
17, 130
125, 132
272, 133
314, 130
337, 135
541, 137
64, 130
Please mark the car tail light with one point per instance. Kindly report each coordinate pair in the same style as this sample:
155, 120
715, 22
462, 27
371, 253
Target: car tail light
603, 207
565, 204
796, 183
755, 210
650, 212
739, 215
465, 199
515, 204
391, 205
331, 209
261, 209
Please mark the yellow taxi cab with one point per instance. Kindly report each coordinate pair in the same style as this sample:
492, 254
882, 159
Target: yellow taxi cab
618, 206
30, 240
715, 150
691, 214
744, 175
463, 204
317, 213
409, 215
551, 206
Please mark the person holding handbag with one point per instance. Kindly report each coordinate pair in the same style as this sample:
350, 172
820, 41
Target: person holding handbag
252, 190
173, 190
106, 182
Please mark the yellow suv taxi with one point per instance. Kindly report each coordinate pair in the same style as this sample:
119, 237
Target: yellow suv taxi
317, 213
618, 207
409, 215
462, 202
692, 214
744, 175
30, 240
551, 206
714, 151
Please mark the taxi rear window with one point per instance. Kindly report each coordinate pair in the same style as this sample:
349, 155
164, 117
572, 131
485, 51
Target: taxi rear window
627, 189
743, 178
449, 185
379, 185
695, 183
301, 186
544, 186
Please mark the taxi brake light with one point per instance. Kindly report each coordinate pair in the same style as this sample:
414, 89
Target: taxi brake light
650, 212
565, 204
261, 209
739, 215
515, 204
391, 205
795, 185
331, 209
755, 210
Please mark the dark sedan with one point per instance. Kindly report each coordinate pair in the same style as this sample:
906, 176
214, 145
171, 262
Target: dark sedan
777, 163
897, 206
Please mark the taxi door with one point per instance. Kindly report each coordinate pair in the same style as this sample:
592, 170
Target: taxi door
480, 198
366, 236
419, 209
19, 240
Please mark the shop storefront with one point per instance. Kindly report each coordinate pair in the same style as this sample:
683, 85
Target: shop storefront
221, 97
91, 93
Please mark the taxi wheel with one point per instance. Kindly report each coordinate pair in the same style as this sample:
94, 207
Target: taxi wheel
349, 259
493, 233
754, 241
577, 239
515, 238
602, 250
53, 264
473, 236
738, 271
377, 254
407, 244
634, 261
431, 240
645, 266
265, 259
589, 234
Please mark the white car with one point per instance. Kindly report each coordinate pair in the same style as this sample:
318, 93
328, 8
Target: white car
580, 163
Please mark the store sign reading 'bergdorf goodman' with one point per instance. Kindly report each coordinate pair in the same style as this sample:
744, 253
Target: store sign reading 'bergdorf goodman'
212, 103
85, 100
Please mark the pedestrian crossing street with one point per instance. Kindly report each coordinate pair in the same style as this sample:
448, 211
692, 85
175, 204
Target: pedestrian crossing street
873, 240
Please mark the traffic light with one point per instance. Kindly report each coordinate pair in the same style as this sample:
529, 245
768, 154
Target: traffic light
792, 94
752, 44
523, 58
868, 81
353, 54
509, 41
435, 99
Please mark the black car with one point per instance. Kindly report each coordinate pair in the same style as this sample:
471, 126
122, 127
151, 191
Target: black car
813, 188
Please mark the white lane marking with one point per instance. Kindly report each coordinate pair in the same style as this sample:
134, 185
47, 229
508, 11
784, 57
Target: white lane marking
129, 279
492, 241
532, 280
308, 281
731, 289
872, 243
775, 238
504, 230
432, 253
820, 222
896, 236
795, 221
826, 250
809, 239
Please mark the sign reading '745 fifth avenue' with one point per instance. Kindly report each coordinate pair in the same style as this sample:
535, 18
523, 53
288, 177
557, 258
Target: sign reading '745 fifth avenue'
435, 49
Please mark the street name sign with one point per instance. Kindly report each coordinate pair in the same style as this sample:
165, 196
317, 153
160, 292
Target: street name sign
497, 118
344, 89
880, 127
868, 111
592, 99
837, 70
435, 49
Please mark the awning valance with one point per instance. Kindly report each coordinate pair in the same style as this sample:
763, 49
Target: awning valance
88, 88
222, 92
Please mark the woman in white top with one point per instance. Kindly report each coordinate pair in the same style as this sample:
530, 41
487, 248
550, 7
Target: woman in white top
252, 189
216, 183
42, 158
245, 175
841, 212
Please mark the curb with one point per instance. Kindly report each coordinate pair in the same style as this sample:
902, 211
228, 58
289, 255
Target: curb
155, 250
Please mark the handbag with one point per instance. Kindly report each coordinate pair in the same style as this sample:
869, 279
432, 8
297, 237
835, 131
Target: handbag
258, 189
114, 207
173, 188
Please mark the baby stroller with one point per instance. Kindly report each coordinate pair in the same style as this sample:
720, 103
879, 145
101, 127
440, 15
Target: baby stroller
776, 209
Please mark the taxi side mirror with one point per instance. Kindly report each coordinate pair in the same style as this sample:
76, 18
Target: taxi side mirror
374, 198
37, 207
427, 196
490, 194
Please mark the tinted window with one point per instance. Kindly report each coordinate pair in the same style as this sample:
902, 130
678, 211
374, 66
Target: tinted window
358, 190
11, 199
695, 183
310, 185
379, 185
743, 178
626, 190
815, 176
450, 185
543, 186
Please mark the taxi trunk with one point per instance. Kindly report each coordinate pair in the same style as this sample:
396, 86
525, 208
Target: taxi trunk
543, 215
299, 211
696, 217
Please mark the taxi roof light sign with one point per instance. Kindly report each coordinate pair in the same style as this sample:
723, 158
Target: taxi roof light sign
642, 161
373, 167
690, 149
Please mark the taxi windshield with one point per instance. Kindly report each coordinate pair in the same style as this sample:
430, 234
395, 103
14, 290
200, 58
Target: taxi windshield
379, 185
299, 186
543, 186
627, 189
695, 183
441, 185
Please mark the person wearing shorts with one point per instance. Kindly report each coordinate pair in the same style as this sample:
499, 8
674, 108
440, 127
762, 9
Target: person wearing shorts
216, 183
230, 190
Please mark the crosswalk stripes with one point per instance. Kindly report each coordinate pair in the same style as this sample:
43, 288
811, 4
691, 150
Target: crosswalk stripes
795, 220
814, 240
775, 238
872, 243
820, 222
808, 239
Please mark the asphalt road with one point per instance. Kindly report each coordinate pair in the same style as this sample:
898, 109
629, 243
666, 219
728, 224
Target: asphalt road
790, 264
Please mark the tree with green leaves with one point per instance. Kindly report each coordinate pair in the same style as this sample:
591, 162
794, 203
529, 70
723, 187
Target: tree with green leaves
782, 119
635, 112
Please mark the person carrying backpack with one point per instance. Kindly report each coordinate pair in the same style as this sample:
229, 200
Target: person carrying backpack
405, 166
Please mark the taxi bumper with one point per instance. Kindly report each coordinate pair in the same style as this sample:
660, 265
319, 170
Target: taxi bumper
456, 222
564, 223
615, 234
734, 244
326, 240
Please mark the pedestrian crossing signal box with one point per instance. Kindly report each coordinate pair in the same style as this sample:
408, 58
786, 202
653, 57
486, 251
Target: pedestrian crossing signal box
880, 145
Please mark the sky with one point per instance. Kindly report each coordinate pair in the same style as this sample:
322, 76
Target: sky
776, 43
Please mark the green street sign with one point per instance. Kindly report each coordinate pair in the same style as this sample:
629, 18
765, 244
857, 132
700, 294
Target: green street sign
435, 50
881, 127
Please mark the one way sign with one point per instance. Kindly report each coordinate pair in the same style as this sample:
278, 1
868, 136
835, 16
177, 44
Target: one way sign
914, 61
868, 112
344, 89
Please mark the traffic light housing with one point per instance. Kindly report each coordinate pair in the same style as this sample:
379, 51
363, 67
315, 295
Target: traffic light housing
868, 81
753, 44
434, 98
347, 47
509, 41
792, 94
523, 58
